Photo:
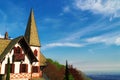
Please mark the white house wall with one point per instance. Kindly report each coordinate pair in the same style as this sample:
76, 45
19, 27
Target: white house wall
17, 64
38, 54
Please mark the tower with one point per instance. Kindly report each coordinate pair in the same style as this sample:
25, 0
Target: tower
31, 36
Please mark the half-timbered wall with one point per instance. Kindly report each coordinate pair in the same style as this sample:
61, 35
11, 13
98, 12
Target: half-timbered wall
16, 63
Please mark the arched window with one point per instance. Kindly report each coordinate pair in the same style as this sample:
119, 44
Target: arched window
35, 52
17, 50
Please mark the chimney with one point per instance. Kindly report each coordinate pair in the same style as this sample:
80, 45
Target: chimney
6, 35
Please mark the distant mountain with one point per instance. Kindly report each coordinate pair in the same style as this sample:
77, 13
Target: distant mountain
56, 71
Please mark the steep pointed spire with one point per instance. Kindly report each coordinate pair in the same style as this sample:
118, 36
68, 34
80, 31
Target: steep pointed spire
31, 33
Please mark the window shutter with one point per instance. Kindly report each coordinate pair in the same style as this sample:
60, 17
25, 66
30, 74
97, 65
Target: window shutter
13, 66
23, 68
26, 67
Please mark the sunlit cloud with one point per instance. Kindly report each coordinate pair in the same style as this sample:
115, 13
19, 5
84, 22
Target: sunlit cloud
105, 7
108, 39
51, 45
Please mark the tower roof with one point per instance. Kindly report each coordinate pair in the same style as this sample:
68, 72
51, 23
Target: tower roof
31, 33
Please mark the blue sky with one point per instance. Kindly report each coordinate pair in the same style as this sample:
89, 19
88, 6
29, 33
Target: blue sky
84, 32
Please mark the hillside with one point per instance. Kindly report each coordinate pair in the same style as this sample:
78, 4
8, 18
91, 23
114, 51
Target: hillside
56, 71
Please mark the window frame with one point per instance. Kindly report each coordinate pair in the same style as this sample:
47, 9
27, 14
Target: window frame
35, 52
12, 68
23, 68
35, 69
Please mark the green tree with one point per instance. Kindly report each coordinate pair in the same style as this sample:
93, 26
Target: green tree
66, 72
8, 69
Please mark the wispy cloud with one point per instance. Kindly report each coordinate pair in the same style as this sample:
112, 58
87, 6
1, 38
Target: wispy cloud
66, 9
51, 45
109, 39
105, 7
96, 30
117, 41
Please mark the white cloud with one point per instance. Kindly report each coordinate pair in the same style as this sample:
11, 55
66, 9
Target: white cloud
108, 39
117, 41
97, 39
106, 7
51, 45
1, 36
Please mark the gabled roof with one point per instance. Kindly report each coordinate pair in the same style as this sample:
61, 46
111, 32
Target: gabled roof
3, 44
31, 33
42, 60
21, 40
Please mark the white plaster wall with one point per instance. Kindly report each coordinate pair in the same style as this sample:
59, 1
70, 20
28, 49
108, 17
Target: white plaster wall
3, 65
17, 67
38, 55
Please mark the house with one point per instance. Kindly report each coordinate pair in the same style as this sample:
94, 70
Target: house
26, 59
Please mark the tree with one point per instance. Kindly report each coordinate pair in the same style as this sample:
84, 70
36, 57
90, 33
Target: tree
8, 69
66, 71
54, 70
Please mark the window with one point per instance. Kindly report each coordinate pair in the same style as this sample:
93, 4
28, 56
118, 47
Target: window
12, 66
17, 50
35, 69
23, 68
18, 56
35, 52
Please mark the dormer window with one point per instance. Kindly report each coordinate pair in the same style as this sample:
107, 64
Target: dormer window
35, 52
17, 50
